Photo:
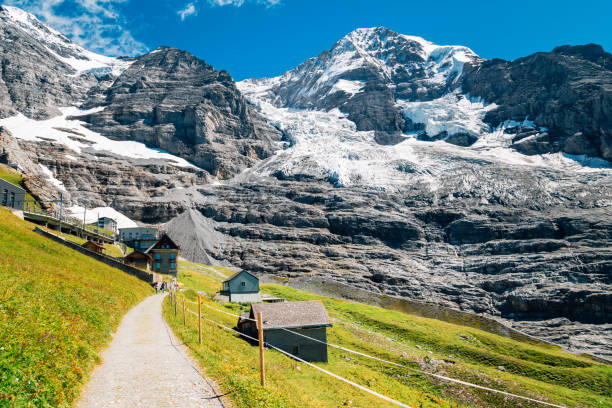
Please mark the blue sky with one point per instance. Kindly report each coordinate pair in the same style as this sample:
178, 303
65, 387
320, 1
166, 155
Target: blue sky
256, 38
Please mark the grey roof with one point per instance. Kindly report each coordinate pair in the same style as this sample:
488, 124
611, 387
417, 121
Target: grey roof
8, 184
286, 315
238, 273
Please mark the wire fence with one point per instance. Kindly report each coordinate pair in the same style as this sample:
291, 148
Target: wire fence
438, 376
354, 384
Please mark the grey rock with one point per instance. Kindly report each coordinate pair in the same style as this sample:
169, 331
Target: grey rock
172, 100
567, 90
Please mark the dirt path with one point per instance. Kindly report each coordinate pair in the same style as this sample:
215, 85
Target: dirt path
145, 366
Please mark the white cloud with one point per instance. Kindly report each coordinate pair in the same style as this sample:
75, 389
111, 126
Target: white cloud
188, 10
94, 24
239, 3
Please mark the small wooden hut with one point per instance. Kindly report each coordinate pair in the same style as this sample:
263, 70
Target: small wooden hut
285, 324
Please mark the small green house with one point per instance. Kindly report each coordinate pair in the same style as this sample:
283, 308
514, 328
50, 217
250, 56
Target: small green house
242, 287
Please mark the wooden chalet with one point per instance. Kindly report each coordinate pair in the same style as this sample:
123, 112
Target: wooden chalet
164, 254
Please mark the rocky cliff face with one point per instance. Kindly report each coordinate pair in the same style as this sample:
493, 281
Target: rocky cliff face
172, 100
567, 91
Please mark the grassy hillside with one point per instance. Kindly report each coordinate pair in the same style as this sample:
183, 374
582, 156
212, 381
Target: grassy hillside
541, 372
58, 308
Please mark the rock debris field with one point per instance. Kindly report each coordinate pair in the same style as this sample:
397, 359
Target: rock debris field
145, 366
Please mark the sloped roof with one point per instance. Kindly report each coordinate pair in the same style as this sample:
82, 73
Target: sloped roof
90, 243
136, 254
238, 273
287, 315
162, 242
9, 184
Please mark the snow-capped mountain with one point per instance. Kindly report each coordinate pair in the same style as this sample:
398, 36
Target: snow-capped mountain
371, 67
412, 67
398, 85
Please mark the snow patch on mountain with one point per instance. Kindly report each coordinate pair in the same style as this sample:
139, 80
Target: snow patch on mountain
70, 132
49, 174
348, 87
92, 215
80, 59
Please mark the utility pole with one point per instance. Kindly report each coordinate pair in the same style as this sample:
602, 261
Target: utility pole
60, 214
84, 218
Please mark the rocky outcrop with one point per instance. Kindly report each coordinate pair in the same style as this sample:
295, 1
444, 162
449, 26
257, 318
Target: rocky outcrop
171, 100
568, 91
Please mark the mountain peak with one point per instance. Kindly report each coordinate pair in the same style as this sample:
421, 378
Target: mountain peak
28, 27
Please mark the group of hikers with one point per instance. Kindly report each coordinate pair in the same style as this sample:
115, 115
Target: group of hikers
160, 286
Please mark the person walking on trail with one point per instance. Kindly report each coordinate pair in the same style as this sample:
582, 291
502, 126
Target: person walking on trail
163, 287
157, 286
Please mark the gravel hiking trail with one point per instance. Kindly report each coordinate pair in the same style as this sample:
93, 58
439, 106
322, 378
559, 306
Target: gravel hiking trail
146, 366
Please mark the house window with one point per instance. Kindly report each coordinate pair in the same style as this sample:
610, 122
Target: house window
12, 200
172, 255
158, 256
157, 266
242, 283
130, 235
5, 197
171, 265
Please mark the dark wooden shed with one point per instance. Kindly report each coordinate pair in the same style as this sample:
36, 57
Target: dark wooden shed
281, 322
94, 247
138, 259
242, 287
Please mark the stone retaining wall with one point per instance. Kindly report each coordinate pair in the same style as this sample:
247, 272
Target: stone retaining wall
109, 260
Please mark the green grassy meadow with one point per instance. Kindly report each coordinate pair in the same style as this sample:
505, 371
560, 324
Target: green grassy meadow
58, 309
537, 371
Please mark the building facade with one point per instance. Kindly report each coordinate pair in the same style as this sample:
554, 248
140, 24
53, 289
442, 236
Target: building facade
139, 238
138, 259
11, 196
106, 223
242, 287
164, 256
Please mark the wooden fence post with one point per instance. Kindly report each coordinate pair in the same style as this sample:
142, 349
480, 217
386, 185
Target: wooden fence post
184, 315
199, 320
175, 304
261, 350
